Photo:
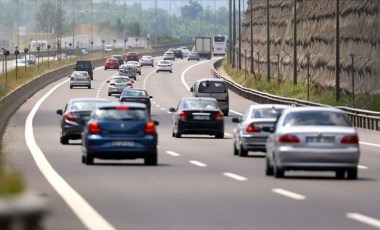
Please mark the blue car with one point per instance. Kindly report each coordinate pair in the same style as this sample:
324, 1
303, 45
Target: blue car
120, 131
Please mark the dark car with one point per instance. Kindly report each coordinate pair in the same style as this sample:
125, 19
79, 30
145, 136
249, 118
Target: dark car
136, 95
85, 65
120, 131
178, 53
197, 115
119, 58
132, 56
75, 115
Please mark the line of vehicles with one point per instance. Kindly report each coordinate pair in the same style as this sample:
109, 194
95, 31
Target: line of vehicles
292, 138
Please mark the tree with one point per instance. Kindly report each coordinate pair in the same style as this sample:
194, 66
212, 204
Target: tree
46, 16
192, 10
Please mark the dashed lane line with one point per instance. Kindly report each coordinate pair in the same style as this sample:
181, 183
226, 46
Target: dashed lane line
198, 163
174, 154
235, 176
364, 219
289, 194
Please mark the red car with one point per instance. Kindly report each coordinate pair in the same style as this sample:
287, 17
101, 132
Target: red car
111, 63
132, 56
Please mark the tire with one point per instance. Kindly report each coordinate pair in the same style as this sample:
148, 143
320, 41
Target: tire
157, 71
339, 174
171, 71
89, 87
278, 173
71, 87
88, 160
105, 68
83, 159
109, 94
177, 135
268, 169
352, 174
140, 73
151, 160
242, 152
64, 140
219, 135
236, 151
225, 112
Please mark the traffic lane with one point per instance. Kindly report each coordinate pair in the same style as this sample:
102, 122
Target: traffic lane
18, 157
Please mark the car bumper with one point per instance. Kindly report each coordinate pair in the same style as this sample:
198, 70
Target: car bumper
164, 69
254, 143
287, 157
207, 128
72, 131
80, 83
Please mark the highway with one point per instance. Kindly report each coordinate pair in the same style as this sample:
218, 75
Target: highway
198, 183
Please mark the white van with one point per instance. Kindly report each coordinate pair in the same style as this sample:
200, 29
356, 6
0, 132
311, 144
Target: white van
215, 88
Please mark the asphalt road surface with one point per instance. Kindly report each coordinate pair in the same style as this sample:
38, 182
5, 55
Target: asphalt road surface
198, 183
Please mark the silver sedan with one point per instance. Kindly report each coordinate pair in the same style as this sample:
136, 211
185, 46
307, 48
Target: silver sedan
80, 78
313, 138
253, 129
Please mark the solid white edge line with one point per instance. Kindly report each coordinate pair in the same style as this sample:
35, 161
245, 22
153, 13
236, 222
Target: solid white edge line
197, 163
187, 69
235, 176
82, 209
289, 194
364, 219
362, 167
174, 154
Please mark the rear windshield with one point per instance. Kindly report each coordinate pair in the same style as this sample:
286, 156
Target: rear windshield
266, 113
120, 79
85, 105
115, 114
84, 65
316, 118
134, 93
212, 87
197, 104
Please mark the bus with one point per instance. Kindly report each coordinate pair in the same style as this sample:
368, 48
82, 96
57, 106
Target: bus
219, 45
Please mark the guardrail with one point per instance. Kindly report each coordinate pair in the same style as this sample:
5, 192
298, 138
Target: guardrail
360, 118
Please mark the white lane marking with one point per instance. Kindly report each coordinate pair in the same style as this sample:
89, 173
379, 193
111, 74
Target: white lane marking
235, 176
370, 144
82, 209
362, 167
364, 219
198, 163
289, 194
228, 134
187, 69
163, 109
174, 154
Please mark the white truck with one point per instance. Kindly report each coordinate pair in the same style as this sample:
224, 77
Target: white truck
203, 45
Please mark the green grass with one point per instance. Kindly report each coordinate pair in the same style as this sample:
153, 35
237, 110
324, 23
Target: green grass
286, 88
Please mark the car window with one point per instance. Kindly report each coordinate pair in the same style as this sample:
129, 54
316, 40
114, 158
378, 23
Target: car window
114, 114
191, 104
326, 118
84, 105
211, 87
83, 65
266, 113
120, 80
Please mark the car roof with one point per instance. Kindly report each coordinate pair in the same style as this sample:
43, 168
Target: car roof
198, 99
130, 104
88, 99
211, 79
263, 106
314, 108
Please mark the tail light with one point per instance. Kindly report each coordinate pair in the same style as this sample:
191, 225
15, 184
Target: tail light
70, 116
219, 116
350, 140
122, 107
150, 128
286, 138
94, 127
253, 129
71, 78
183, 115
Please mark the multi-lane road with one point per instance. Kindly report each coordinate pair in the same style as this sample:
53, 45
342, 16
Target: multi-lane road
198, 183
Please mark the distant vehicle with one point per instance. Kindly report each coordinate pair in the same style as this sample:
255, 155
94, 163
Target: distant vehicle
178, 53
81, 79
75, 115
118, 83
185, 51
197, 115
84, 51
254, 127
119, 58
136, 64
147, 60
219, 45
120, 131
136, 95
169, 55
111, 63
128, 70
164, 65
203, 45
108, 48
313, 138
193, 56
30, 58
215, 88
20, 63
85, 65
132, 56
